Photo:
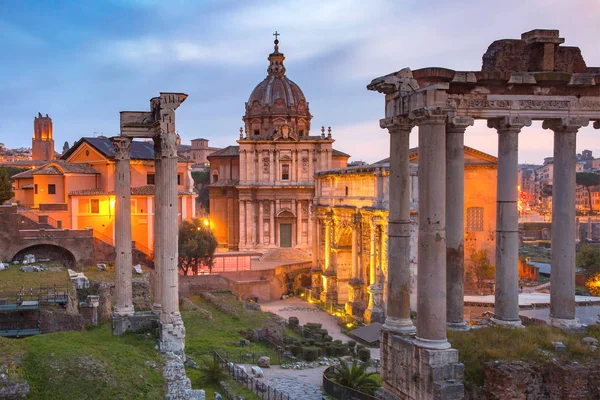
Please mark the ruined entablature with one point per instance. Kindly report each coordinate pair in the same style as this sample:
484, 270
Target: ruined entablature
533, 76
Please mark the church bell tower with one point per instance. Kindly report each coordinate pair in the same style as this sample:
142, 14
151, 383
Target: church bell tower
42, 144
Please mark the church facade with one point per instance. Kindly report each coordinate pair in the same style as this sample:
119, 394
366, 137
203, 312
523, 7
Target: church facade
262, 190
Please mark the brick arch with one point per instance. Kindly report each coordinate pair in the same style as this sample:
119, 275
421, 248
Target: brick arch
47, 250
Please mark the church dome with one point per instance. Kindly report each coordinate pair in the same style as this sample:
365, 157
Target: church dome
276, 101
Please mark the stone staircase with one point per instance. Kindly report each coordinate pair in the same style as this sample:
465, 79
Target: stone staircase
285, 254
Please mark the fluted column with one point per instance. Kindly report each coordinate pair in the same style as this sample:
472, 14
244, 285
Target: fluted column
506, 311
431, 277
168, 186
123, 291
158, 232
455, 225
398, 301
564, 236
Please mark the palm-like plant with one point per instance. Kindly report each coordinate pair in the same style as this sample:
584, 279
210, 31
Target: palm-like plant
355, 376
212, 373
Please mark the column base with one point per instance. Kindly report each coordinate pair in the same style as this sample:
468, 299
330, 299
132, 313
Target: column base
458, 326
355, 308
398, 326
410, 372
432, 344
124, 311
138, 322
506, 324
156, 309
565, 324
172, 336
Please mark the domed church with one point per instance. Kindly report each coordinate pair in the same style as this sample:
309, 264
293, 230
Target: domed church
262, 191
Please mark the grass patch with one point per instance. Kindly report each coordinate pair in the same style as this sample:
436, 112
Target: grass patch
89, 364
13, 279
479, 346
94, 274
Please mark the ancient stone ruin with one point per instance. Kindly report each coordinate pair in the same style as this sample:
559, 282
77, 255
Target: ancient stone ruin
532, 78
159, 125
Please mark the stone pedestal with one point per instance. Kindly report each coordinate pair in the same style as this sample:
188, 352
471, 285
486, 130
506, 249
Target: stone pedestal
138, 322
317, 280
410, 372
329, 293
355, 305
374, 311
172, 336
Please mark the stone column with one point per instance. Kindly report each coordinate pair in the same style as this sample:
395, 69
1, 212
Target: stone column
374, 311
272, 222
455, 225
123, 291
431, 278
330, 274
250, 224
506, 310
398, 301
158, 232
354, 275
562, 274
293, 167
589, 229
260, 226
299, 223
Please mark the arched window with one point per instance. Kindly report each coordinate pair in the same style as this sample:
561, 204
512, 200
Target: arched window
215, 177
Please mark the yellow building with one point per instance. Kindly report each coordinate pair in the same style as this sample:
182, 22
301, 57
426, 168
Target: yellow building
78, 191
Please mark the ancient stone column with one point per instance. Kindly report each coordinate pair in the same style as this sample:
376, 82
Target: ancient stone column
250, 224
330, 274
506, 311
455, 226
355, 248
562, 273
374, 311
398, 301
431, 278
158, 232
123, 291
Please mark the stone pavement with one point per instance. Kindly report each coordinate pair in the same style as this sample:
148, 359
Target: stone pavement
298, 384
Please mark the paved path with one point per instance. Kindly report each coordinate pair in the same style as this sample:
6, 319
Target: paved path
585, 314
307, 312
529, 299
298, 384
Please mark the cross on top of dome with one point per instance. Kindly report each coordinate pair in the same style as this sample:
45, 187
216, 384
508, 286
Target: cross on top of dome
276, 59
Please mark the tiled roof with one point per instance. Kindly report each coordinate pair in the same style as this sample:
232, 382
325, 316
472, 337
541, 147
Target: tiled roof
337, 153
28, 186
225, 182
89, 192
57, 167
226, 152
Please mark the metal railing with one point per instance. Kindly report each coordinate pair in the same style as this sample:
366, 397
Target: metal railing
106, 239
255, 385
35, 217
341, 392
43, 294
142, 248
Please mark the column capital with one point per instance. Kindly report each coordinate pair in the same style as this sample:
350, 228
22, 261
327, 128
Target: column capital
165, 145
122, 147
508, 124
430, 115
565, 125
458, 123
397, 124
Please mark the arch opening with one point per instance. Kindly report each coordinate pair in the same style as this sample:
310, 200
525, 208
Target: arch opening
49, 252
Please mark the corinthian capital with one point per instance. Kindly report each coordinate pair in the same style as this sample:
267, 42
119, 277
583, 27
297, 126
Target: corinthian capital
565, 125
165, 145
510, 123
122, 147
459, 123
397, 124
430, 115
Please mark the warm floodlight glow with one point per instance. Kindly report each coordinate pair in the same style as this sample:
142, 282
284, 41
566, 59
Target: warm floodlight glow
206, 222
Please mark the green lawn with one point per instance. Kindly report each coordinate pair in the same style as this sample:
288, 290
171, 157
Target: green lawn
85, 365
13, 279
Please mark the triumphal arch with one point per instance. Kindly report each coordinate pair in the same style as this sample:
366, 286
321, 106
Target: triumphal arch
521, 80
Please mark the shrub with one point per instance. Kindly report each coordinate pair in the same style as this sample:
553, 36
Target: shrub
329, 351
296, 350
313, 326
310, 353
364, 354
360, 346
337, 341
212, 373
293, 321
340, 350
351, 344
327, 338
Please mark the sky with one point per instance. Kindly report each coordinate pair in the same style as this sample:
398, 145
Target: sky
82, 62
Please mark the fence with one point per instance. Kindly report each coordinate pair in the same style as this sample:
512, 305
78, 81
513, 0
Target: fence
256, 386
341, 392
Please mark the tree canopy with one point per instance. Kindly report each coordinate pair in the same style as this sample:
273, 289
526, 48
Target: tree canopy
355, 376
6, 192
197, 246
479, 266
588, 258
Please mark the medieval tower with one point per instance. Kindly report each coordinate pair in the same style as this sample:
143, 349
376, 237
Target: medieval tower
42, 144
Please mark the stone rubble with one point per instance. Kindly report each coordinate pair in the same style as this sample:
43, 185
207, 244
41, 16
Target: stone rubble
81, 281
322, 361
138, 269
3, 266
179, 386
32, 268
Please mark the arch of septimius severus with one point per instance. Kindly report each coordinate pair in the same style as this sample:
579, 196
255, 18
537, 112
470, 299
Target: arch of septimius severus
534, 78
